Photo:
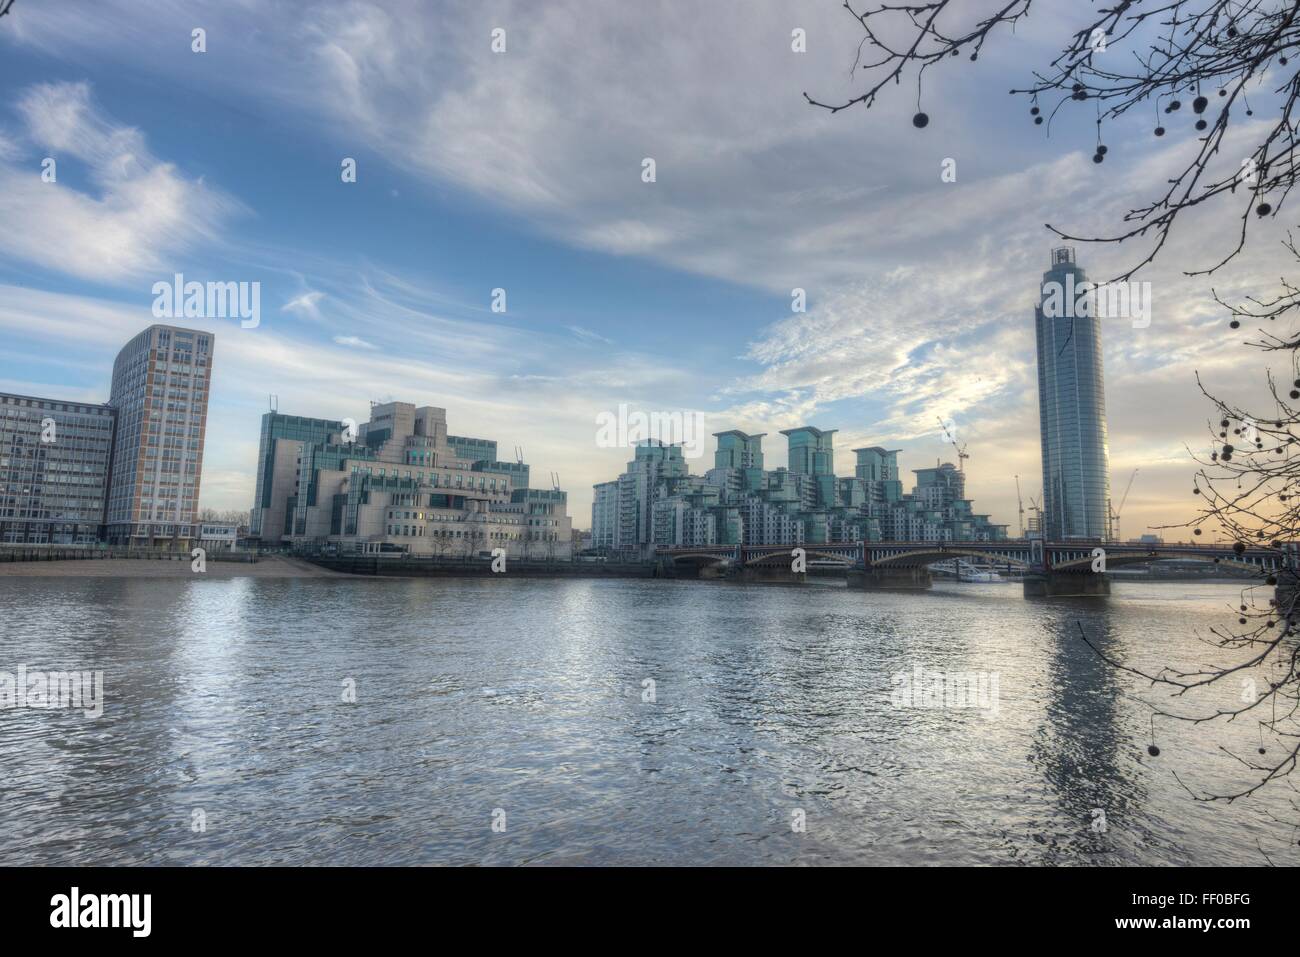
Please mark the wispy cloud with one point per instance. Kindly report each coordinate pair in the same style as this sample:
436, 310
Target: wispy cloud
588, 336
355, 342
550, 409
308, 304
920, 292
143, 210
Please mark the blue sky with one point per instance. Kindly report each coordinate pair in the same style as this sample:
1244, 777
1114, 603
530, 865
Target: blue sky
521, 170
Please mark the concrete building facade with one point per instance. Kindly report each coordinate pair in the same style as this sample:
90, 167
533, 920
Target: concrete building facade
279, 458
401, 485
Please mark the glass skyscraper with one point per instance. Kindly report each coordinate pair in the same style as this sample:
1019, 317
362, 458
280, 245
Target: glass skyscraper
1071, 406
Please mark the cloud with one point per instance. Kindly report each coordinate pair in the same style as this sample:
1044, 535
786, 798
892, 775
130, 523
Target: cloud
307, 304
558, 126
588, 336
142, 211
549, 408
354, 342
920, 292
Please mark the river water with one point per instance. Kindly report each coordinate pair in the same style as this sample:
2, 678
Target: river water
511, 722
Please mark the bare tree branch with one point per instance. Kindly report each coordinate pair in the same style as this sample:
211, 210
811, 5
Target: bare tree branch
1201, 51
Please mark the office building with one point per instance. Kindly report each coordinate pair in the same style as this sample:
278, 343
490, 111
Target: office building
54, 461
400, 485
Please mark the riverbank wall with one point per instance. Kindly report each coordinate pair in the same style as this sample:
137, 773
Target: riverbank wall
436, 568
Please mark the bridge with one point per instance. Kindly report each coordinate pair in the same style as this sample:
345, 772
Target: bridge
1050, 569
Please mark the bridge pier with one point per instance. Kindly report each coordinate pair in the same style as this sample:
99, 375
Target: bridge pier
1050, 584
1284, 593
771, 575
690, 570
891, 578
1052, 569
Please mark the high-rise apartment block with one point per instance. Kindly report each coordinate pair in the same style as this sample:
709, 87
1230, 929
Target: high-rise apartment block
656, 502
604, 515
1071, 407
160, 390
76, 473
654, 463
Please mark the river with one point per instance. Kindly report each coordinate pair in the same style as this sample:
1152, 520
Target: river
614, 722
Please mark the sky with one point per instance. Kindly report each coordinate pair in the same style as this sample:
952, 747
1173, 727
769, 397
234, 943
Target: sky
522, 171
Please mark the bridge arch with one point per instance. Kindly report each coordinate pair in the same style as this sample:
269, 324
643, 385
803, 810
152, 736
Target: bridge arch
702, 558
928, 556
784, 557
1123, 559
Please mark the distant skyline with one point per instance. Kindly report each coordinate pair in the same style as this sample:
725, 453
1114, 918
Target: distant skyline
522, 171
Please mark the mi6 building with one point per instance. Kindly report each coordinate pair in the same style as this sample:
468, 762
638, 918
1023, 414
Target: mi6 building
400, 483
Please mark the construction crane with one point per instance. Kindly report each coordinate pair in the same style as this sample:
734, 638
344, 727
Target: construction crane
1020, 507
1116, 512
1036, 517
962, 454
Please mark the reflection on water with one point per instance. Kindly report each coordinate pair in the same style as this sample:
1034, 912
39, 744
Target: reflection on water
227, 698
